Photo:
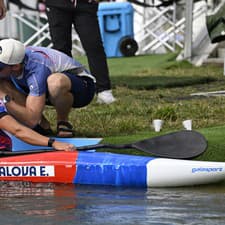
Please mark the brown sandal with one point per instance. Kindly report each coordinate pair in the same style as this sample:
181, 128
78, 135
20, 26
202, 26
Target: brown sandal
64, 126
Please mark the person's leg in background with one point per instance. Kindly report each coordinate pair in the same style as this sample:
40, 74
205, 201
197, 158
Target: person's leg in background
87, 27
60, 26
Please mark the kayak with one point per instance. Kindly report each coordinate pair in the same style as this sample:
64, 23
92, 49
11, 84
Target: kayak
101, 168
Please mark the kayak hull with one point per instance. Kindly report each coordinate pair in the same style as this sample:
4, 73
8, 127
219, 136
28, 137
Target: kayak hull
98, 168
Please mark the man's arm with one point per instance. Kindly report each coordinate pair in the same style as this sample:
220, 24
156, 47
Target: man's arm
9, 124
29, 115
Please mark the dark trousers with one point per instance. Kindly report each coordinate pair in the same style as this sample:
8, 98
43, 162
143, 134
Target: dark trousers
85, 21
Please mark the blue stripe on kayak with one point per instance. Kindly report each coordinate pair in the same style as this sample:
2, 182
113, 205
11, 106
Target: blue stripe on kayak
111, 169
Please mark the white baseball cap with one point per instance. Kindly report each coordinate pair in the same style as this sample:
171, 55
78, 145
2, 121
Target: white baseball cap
12, 52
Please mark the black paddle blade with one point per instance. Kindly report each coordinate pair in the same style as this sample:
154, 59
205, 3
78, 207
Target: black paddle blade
180, 145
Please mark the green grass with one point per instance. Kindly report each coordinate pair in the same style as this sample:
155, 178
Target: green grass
150, 87
216, 148
215, 138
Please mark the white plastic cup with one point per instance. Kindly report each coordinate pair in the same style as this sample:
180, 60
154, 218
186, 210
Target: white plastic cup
157, 124
187, 124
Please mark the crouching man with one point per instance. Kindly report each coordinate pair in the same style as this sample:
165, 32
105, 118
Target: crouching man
32, 76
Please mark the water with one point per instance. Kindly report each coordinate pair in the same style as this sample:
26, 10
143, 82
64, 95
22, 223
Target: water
49, 204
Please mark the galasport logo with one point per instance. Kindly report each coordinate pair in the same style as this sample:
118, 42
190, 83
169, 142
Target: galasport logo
207, 169
27, 171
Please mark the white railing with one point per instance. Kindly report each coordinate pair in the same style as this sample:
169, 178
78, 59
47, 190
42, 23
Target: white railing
156, 29
162, 29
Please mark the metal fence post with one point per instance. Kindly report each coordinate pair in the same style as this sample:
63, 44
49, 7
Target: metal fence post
188, 30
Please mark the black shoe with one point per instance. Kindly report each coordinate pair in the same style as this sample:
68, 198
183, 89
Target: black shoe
41, 130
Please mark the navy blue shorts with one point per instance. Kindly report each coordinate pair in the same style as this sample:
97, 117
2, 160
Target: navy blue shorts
83, 89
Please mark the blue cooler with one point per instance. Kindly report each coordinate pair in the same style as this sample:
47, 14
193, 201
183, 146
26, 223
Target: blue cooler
116, 25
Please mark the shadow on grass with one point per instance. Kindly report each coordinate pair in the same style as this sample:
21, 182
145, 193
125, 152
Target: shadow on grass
154, 82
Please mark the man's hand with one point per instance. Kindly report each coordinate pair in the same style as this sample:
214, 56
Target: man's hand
62, 146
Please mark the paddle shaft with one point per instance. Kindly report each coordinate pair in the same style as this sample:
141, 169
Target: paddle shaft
98, 146
80, 148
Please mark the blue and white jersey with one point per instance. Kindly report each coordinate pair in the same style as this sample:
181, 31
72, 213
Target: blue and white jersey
39, 63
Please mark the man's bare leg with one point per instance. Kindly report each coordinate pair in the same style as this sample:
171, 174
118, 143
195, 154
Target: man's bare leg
59, 86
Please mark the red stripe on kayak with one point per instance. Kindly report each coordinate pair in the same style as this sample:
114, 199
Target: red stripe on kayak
42, 167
